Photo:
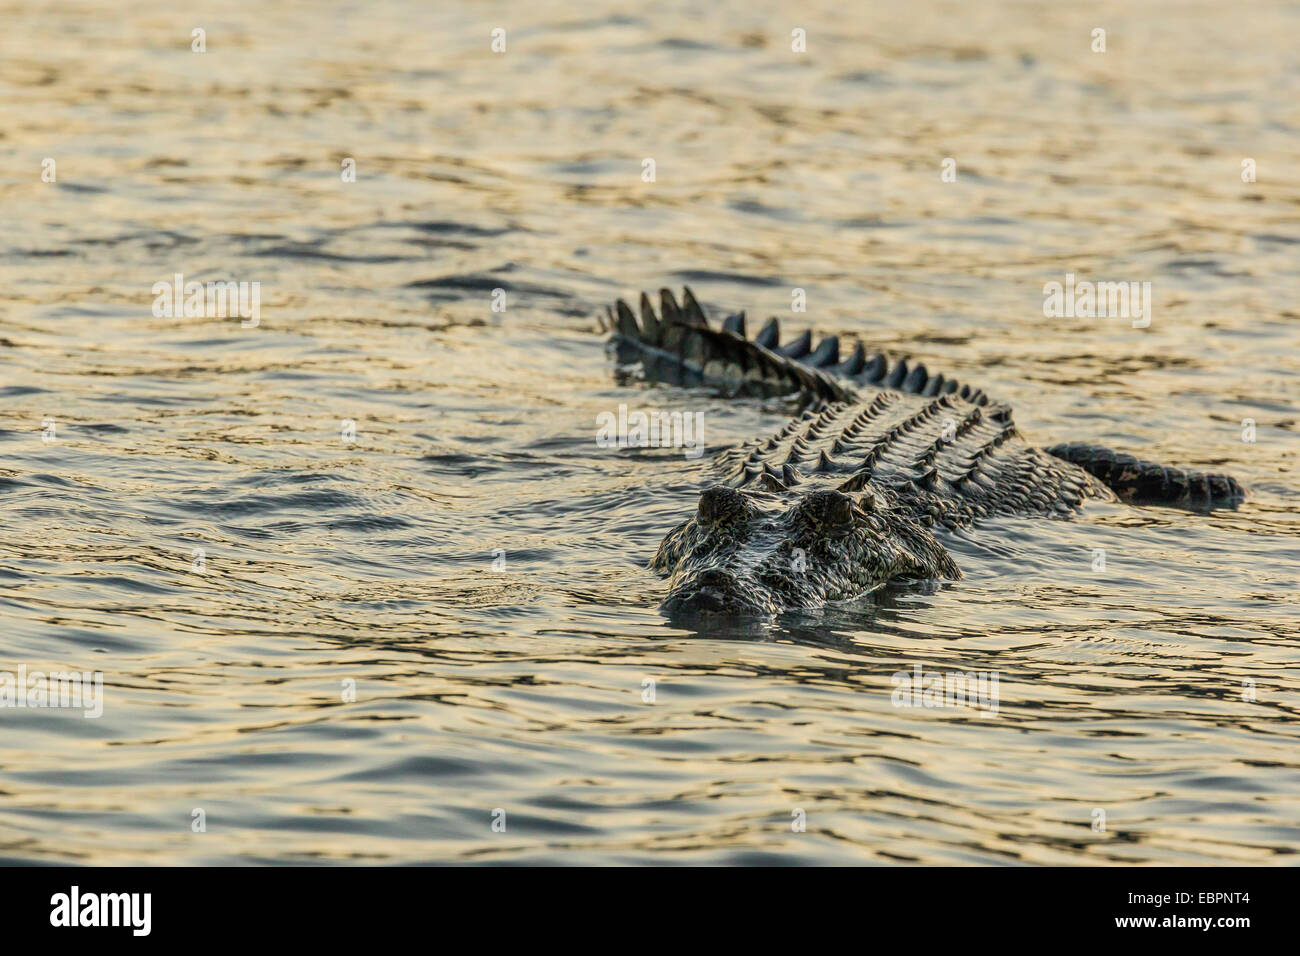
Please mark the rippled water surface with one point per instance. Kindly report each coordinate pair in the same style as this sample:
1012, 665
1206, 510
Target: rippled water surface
370, 564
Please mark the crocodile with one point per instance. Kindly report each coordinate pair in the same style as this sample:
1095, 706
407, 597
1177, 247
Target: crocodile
859, 489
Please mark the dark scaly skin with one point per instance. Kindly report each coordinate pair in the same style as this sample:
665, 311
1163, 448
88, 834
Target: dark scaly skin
857, 491
1139, 481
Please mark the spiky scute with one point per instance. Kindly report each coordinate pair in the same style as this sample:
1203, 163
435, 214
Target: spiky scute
678, 345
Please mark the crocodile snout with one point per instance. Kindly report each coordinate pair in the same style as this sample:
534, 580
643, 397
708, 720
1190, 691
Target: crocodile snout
716, 591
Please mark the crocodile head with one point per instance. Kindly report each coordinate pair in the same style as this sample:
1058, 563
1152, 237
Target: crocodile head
755, 553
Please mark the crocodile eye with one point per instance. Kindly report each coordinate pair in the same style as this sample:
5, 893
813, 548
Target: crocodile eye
828, 513
721, 505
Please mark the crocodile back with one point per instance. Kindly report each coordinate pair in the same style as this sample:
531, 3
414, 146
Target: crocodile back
947, 457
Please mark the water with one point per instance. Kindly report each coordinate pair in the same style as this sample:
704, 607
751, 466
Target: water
329, 564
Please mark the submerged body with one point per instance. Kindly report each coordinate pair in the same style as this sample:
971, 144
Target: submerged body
857, 490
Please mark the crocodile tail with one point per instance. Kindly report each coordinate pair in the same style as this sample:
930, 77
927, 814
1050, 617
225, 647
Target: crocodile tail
1147, 482
677, 345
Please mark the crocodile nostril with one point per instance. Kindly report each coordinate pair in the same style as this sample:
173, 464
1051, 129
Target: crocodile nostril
717, 579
